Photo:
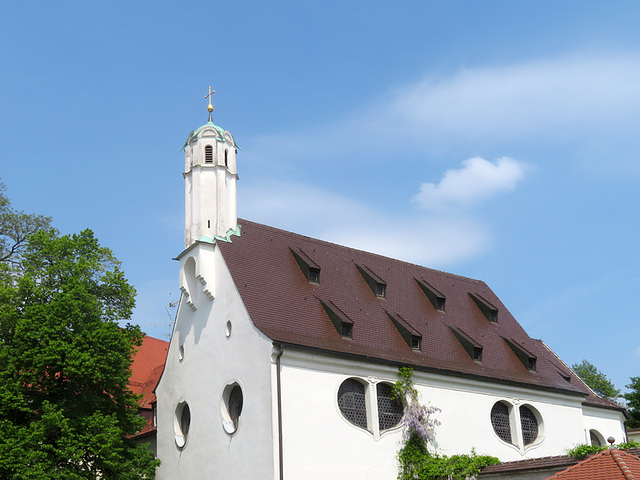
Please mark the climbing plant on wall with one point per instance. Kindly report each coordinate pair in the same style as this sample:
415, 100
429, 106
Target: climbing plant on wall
418, 458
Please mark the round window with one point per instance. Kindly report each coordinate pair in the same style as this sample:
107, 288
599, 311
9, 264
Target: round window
352, 402
529, 424
390, 409
501, 422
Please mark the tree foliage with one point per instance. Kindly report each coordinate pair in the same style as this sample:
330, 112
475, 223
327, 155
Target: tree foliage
15, 228
65, 407
596, 380
633, 402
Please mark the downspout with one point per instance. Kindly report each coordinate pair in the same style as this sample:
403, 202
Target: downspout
279, 399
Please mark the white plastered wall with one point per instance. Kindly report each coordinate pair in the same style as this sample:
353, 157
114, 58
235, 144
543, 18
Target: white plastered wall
320, 443
600, 420
210, 187
212, 360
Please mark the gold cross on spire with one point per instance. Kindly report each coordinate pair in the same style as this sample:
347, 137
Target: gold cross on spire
210, 106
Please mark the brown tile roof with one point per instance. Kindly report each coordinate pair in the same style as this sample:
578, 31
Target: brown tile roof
611, 464
554, 463
146, 369
285, 306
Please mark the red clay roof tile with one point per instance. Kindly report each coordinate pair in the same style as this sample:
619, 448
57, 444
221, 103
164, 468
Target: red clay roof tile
611, 464
148, 364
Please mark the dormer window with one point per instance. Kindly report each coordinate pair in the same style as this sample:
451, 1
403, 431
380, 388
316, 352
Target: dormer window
528, 359
342, 323
347, 330
376, 284
314, 275
310, 268
435, 297
473, 348
208, 154
410, 334
487, 308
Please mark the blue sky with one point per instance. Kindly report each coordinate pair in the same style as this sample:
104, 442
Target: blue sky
496, 140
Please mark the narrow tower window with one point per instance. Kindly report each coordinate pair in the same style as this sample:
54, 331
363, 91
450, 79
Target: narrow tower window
226, 158
208, 154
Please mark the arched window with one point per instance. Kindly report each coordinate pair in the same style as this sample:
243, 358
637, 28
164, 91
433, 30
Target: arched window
208, 154
501, 422
352, 403
389, 408
594, 437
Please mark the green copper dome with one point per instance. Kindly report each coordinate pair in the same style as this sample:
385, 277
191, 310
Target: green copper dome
194, 134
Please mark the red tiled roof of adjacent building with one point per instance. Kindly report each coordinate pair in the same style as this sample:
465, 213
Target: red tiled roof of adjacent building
611, 464
148, 364
542, 464
288, 308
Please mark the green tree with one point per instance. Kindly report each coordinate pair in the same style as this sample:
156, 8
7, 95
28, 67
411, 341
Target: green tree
65, 407
633, 402
15, 228
597, 381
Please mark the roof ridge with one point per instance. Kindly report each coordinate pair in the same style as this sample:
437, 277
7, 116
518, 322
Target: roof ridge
345, 247
626, 471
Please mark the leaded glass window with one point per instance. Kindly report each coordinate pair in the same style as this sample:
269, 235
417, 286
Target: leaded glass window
500, 421
352, 403
529, 424
389, 408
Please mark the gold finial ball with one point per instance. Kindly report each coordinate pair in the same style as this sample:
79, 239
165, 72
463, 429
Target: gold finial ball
210, 108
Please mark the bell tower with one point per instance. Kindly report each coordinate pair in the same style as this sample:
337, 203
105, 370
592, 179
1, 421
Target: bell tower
210, 182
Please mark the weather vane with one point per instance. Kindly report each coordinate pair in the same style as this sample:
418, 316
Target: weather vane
210, 106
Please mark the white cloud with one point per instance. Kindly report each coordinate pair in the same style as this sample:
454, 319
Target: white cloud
584, 99
431, 240
560, 97
478, 179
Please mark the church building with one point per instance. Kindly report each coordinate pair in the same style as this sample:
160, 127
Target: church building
285, 348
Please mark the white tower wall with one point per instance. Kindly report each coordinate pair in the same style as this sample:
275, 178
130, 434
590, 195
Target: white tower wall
210, 184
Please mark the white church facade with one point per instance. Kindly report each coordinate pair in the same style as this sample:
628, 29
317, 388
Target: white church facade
285, 347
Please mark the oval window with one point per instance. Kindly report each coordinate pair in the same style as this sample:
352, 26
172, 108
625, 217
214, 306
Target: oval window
182, 423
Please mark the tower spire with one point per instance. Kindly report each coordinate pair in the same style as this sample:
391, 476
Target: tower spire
210, 106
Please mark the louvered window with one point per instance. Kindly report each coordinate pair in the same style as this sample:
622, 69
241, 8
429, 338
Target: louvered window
529, 424
389, 408
352, 403
500, 421
208, 154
